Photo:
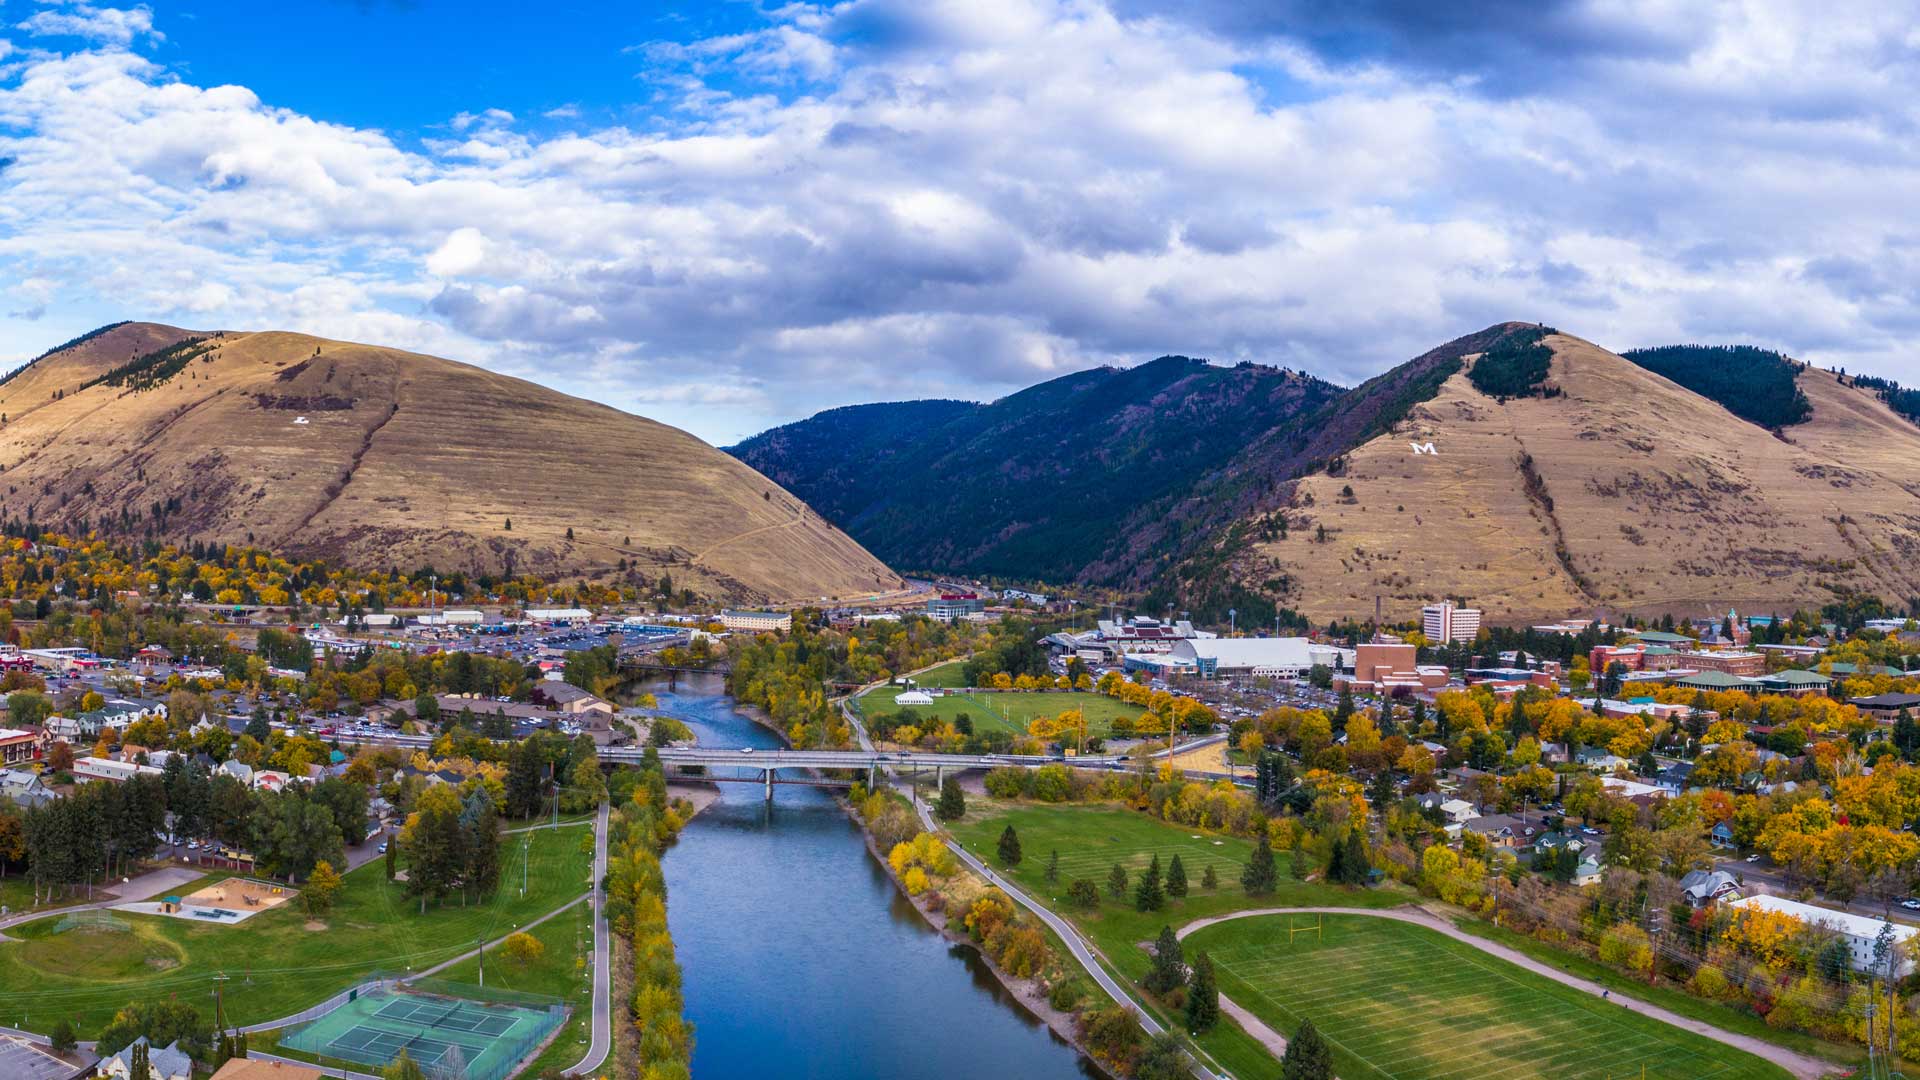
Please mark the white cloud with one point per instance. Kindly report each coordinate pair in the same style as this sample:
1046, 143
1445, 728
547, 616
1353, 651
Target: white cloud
890, 199
112, 26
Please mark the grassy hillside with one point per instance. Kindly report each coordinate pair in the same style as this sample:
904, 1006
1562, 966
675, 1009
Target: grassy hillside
1625, 492
379, 457
1042, 484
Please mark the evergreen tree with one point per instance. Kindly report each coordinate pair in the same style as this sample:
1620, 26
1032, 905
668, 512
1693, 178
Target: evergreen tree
1354, 864
1149, 895
1176, 878
1259, 877
1308, 1056
1009, 847
1209, 880
1297, 864
1169, 965
138, 1065
953, 802
526, 773
1343, 709
1203, 997
1336, 863
1117, 881
63, 1036
1053, 867
1380, 790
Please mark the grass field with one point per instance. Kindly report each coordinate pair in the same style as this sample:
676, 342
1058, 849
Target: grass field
276, 964
1006, 711
1401, 1002
1090, 839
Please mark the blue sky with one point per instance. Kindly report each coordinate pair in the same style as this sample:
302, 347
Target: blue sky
730, 215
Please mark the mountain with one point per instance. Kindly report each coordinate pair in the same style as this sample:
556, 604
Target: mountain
1519, 468
1048, 483
378, 457
1601, 485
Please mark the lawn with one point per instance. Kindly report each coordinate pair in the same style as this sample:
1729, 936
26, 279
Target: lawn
1090, 839
1402, 1002
1728, 1017
276, 965
1009, 711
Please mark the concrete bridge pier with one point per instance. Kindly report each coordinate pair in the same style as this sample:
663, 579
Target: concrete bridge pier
769, 778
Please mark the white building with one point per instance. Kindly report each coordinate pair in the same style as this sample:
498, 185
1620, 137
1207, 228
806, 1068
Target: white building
913, 697
757, 621
569, 616
93, 768
1860, 931
1224, 658
1442, 622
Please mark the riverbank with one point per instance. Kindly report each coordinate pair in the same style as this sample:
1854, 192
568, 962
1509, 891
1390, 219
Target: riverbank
1031, 993
700, 793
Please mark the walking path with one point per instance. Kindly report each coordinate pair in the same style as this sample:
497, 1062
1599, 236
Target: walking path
1800, 1065
602, 1039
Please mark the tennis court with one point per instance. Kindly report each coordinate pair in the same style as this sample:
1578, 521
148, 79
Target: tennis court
452, 1038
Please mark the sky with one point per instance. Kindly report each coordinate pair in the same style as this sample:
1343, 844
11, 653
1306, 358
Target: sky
730, 215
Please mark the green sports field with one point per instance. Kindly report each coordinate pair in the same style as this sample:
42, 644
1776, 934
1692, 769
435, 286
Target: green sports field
1401, 1002
1006, 710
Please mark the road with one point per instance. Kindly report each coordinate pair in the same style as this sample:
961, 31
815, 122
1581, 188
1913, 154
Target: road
1800, 1065
602, 1037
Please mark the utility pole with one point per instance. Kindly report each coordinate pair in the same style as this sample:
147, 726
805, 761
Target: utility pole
526, 846
480, 957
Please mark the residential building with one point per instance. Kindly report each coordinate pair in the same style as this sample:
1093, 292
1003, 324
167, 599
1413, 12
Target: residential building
564, 697
17, 746
950, 606
24, 789
96, 768
754, 622
1859, 931
1443, 622
1703, 887
163, 1063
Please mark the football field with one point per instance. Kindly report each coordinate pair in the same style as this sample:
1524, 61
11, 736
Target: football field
1402, 1002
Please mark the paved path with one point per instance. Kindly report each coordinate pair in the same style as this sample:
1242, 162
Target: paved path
602, 1043
1800, 1065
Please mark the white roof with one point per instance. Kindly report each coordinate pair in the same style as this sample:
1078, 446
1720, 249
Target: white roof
914, 697
1285, 652
1840, 922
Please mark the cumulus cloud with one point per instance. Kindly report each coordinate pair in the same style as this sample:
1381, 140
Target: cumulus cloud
891, 198
112, 26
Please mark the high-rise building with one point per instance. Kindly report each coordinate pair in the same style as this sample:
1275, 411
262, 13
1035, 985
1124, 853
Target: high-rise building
1442, 622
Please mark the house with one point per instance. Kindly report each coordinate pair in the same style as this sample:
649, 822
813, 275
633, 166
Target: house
1859, 931
1703, 887
239, 770
1587, 873
24, 789
1503, 830
1675, 777
261, 1069
1721, 836
270, 779
1599, 758
1459, 811
167, 1063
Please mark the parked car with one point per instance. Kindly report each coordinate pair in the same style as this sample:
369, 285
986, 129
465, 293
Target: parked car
1755, 857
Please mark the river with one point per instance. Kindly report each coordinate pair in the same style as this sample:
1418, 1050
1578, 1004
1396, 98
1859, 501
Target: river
802, 960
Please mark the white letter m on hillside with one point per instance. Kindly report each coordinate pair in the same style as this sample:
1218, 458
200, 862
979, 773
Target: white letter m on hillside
1424, 448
